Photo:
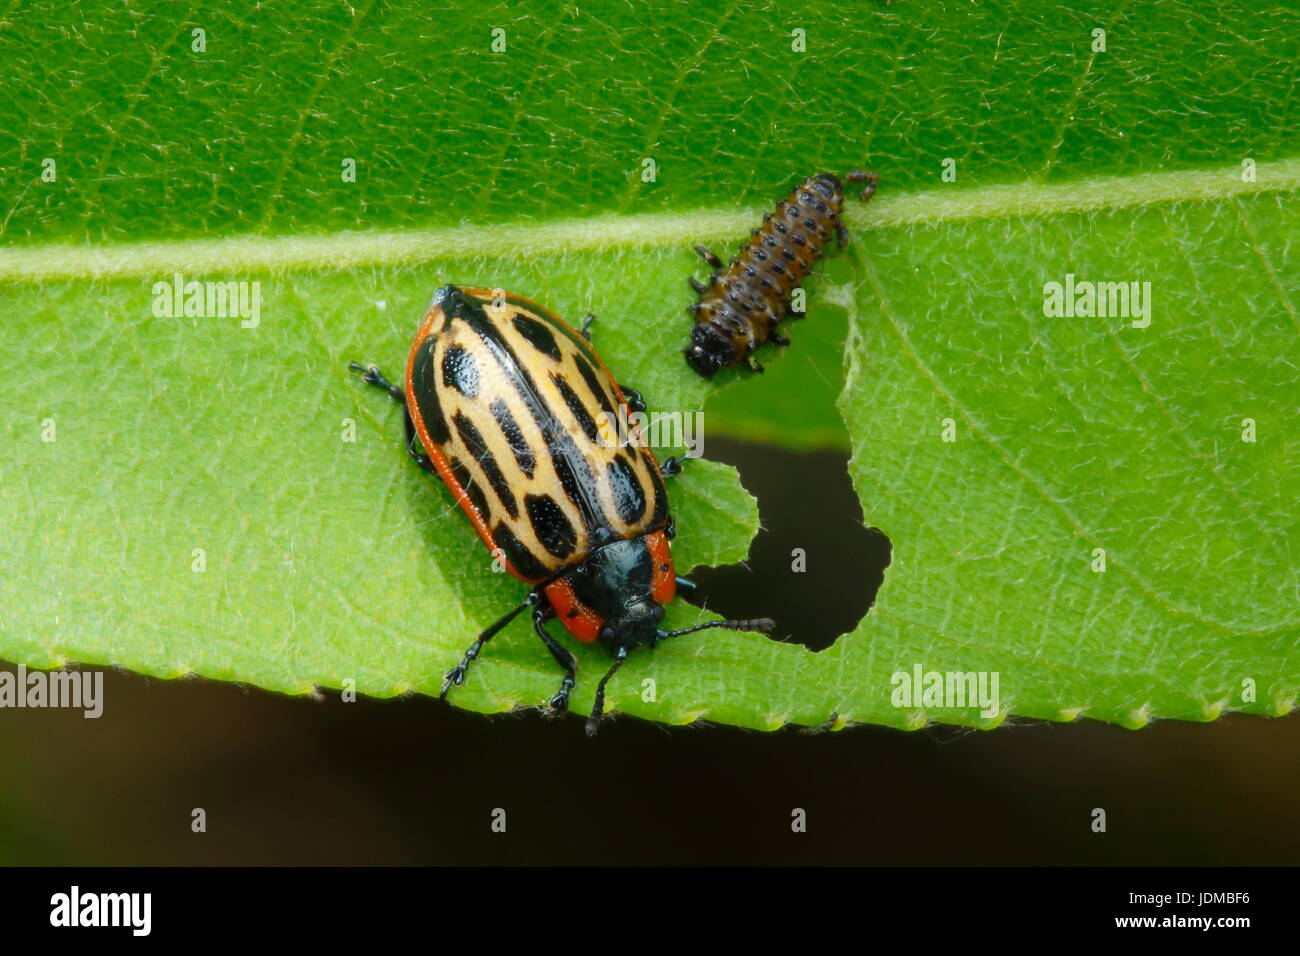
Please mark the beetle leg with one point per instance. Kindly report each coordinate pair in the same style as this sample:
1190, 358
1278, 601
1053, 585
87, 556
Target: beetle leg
825, 726
754, 364
585, 330
412, 442
371, 375
776, 338
708, 257
598, 707
671, 467
699, 287
686, 586
560, 702
635, 403
457, 674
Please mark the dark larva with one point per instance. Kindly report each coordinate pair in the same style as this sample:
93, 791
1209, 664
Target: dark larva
743, 302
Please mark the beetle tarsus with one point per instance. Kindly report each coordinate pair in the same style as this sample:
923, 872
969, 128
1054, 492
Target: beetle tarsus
560, 702
598, 708
672, 467
371, 375
825, 726
456, 676
634, 399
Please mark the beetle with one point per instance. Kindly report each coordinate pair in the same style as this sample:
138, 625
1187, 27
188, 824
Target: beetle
504, 402
743, 302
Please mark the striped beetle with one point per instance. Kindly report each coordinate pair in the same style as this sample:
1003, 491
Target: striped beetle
504, 399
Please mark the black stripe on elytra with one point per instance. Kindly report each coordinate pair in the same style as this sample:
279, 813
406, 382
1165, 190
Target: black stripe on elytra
550, 525
578, 486
660, 514
471, 489
591, 376
514, 437
579, 411
574, 490
459, 371
629, 496
523, 560
472, 438
424, 388
541, 338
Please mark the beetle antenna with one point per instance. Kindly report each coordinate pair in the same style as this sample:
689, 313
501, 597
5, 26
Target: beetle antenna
764, 624
598, 708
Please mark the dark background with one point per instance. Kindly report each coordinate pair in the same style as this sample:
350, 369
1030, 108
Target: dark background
301, 781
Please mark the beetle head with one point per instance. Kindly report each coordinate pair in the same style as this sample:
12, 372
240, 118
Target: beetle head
709, 349
615, 581
703, 361
635, 625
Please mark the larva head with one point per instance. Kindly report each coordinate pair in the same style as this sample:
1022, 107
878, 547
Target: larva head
709, 350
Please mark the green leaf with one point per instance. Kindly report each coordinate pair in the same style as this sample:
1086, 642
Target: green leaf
329, 561
322, 560
1082, 439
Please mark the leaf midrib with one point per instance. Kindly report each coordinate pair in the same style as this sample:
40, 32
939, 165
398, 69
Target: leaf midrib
353, 249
